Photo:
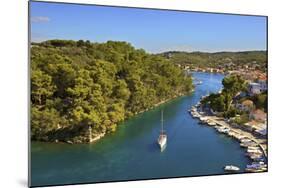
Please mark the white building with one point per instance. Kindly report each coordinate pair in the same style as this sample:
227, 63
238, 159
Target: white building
254, 88
263, 85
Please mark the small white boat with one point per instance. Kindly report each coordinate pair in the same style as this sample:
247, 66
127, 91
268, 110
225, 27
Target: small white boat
211, 123
162, 139
231, 168
254, 150
223, 130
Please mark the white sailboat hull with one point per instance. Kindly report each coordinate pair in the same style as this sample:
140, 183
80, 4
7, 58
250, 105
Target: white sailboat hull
162, 142
162, 139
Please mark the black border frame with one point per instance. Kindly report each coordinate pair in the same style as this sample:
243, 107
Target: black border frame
132, 7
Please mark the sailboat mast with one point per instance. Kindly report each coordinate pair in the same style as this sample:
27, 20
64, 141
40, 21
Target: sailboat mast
162, 121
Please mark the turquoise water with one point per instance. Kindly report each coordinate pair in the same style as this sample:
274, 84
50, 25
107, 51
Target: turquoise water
132, 152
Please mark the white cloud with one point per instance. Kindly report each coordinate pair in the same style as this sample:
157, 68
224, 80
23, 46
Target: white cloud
40, 19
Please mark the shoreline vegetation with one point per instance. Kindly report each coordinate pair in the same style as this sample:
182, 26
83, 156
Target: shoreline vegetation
80, 91
101, 135
239, 111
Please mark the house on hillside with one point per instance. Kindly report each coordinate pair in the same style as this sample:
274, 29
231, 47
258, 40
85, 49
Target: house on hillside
246, 105
263, 83
258, 115
254, 88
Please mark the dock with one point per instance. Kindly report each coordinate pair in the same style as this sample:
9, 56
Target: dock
259, 142
256, 147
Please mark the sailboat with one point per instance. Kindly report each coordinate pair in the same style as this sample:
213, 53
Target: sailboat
162, 139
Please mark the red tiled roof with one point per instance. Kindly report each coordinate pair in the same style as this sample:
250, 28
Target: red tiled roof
247, 103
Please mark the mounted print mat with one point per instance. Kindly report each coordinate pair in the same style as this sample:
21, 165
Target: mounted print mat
120, 94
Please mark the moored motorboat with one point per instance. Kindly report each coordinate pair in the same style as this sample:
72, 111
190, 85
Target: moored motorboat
231, 168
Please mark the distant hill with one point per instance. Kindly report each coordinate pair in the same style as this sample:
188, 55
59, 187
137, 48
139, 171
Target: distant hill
204, 59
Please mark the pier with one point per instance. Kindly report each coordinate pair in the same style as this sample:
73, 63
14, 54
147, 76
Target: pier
256, 147
259, 142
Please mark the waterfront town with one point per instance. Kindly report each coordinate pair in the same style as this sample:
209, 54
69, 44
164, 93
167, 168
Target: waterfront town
244, 117
251, 71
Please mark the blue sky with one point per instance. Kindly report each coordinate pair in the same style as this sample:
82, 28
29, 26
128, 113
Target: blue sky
153, 30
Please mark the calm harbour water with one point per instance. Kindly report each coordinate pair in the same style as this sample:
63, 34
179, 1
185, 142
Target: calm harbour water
132, 151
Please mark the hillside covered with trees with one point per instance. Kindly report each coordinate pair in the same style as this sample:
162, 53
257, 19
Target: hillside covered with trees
81, 89
218, 59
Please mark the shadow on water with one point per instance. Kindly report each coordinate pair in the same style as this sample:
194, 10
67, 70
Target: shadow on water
153, 147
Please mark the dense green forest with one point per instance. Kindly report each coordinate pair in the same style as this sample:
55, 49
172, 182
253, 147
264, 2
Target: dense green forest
214, 60
79, 88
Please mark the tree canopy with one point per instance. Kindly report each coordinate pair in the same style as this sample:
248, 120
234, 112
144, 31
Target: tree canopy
221, 102
78, 84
